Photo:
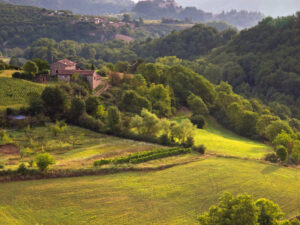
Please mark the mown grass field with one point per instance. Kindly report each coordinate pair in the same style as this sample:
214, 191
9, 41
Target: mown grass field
14, 92
221, 141
173, 196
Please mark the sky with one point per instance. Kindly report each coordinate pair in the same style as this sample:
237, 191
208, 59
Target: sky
267, 7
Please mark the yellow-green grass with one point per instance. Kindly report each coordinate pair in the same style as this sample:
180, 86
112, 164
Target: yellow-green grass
6, 60
7, 73
173, 196
221, 141
14, 92
89, 146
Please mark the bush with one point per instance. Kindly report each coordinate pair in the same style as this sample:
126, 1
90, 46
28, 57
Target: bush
282, 153
44, 160
102, 162
1, 166
200, 149
199, 121
272, 157
90, 122
22, 169
189, 142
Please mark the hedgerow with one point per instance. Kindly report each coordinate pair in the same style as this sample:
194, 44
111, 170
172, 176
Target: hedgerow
141, 157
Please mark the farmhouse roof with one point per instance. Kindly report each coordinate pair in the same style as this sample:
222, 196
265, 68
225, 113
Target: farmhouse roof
71, 72
67, 62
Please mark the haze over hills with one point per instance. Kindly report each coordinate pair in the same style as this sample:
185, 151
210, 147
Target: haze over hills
268, 7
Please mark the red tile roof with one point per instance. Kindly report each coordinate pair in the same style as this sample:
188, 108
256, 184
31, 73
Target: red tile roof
71, 72
67, 62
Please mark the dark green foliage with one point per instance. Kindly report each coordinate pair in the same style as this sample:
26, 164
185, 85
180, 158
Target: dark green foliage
90, 122
185, 81
55, 100
242, 210
113, 120
102, 162
198, 120
30, 67
92, 104
282, 153
22, 169
77, 108
196, 41
141, 157
24, 76
35, 104
197, 105
133, 102
272, 157
200, 149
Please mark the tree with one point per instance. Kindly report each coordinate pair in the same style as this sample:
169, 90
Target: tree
263, 122
282, 153
44, 160
276, 127
30, 67
269, 213
284, 139
183, 130
92, 104
147, 124
248, 123
133, 102
240, 210
43, 65
126, 18
160, 99
113, 119
55, 100
197, 105
77, 108
296, 151
35, 103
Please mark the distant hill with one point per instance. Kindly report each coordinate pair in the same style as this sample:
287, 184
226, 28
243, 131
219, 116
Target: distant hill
187, 44
91, 7
156, 9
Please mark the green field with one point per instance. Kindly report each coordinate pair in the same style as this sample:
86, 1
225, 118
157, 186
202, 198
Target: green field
14, 92
172, 196
222, 141
89, 147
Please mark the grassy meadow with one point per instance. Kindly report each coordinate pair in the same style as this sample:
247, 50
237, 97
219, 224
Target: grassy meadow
222, 141
173, 196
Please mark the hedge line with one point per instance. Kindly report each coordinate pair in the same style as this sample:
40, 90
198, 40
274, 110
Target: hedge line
141, 157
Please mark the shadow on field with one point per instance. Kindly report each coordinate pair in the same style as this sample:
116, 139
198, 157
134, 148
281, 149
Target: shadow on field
270, 169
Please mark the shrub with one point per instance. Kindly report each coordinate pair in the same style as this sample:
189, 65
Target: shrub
102, 162
89, 122
199, 121
1, 166
200, 149
272, 157
189, 142
282, 153
44, 160
22, 169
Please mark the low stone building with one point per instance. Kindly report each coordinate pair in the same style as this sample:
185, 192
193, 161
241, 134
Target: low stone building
64, 69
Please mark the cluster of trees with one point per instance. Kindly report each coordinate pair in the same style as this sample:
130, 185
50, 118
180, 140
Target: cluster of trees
31, 68
242, 209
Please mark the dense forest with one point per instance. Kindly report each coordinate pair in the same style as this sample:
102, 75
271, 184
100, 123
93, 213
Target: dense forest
91, 7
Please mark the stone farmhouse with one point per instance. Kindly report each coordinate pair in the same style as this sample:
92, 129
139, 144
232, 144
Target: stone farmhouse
64, 69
